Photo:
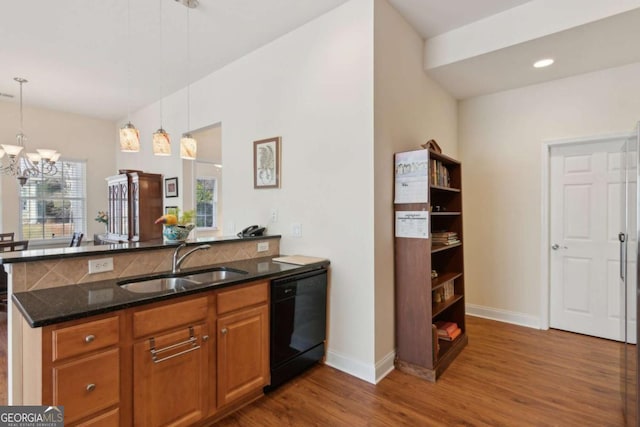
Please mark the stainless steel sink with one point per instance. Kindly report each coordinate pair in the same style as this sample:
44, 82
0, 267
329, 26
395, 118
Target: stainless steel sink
216, 275
174, 284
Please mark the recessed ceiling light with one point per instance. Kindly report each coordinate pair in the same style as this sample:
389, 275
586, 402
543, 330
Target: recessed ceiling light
543, 63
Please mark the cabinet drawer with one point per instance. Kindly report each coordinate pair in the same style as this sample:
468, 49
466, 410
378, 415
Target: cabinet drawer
108, 419
153, 320
87, 385
83, 338
246, 296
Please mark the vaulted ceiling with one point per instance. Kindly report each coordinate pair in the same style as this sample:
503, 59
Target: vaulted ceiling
79, 56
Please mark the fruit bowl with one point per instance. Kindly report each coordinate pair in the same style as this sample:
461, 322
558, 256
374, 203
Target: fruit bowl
177, 233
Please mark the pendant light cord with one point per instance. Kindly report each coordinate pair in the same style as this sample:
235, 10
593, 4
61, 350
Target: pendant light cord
129, 61
161, 67
188, 74
21, 122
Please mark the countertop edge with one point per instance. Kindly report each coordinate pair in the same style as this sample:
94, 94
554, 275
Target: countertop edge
75, 252
145, 299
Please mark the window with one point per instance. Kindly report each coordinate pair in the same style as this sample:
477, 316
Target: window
54, 206
206, 201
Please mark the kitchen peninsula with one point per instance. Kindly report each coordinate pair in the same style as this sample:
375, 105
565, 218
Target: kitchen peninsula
180, 355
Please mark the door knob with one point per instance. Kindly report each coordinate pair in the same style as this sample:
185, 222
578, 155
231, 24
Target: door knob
556, 246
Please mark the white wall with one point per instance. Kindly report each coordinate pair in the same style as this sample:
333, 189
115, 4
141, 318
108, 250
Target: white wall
77, 138
410, 109
500, 145
314, 88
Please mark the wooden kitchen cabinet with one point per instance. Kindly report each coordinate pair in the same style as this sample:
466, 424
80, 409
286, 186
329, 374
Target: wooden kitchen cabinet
243, 342
157, 364
170, 365
170, 388
81, 368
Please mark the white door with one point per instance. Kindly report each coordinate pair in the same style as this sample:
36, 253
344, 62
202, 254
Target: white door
587, 192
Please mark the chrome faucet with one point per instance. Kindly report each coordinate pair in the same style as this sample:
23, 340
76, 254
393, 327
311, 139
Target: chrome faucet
175, 266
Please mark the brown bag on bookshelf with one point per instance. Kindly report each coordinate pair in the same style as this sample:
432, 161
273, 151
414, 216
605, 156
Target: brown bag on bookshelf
432, 145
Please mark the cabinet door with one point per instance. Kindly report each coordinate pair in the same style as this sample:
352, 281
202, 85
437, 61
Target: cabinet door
171, 388
243, 353
87, 385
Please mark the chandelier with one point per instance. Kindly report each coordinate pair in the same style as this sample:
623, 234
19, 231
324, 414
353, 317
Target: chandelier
24, 165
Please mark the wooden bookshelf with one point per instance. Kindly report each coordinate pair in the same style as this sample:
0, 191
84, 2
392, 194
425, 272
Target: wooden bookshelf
418, 307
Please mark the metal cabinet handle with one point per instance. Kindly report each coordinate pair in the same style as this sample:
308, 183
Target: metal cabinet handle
193, 341
205, 338
89, 338
91, 387
224, 331
622, 237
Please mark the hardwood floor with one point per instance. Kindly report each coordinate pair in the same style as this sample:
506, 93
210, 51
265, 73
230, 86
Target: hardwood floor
507, 376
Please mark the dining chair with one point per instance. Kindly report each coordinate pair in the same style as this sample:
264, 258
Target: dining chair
7, 237
17, 245
76, 239
8, 246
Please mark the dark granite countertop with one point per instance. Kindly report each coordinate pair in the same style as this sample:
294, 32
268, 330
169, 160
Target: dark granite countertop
54, 305
58, 253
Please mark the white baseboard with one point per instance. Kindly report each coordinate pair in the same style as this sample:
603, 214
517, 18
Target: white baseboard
369, 373
384, 366
521, 319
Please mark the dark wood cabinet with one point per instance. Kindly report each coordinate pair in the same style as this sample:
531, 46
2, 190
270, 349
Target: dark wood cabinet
429, 265
135, 202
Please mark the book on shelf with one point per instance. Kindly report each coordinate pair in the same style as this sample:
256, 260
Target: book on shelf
439, 174
448, 289
448, 331
444, 237
446, 234
445, 243
451, 337
446, 327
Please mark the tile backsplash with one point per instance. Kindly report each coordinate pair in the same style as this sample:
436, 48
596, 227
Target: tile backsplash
61, 272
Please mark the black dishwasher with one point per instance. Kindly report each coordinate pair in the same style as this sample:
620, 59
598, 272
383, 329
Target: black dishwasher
298, 324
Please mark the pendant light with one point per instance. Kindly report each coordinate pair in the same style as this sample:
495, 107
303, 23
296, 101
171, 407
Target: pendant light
129, 135
161, 140
188, 144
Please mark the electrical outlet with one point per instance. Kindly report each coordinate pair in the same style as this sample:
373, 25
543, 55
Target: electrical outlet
274, 216
100, 265
263, 246
296, 229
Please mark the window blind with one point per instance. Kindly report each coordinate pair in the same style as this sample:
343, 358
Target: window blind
54, 206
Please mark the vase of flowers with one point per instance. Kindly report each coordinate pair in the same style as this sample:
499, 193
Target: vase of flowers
176, 227
103, 218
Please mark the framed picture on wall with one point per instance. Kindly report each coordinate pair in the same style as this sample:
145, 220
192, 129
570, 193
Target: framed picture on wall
171, 187
266, 163
173, 210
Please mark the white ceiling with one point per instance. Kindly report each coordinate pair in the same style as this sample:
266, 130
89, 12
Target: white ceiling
433, 17
75, 53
